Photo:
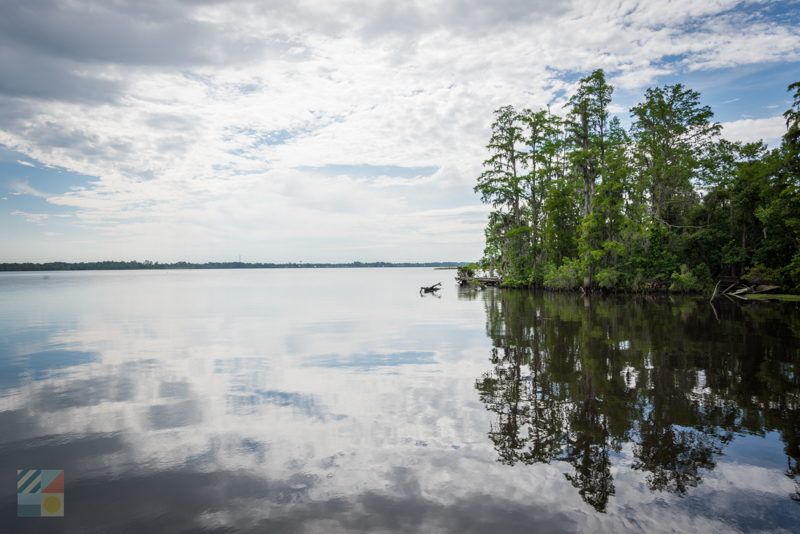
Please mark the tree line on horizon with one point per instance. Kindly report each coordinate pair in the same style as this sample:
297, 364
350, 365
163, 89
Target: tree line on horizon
581, 202
150, 265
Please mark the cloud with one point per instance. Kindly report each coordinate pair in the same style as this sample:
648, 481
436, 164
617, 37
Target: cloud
23, 188
769, 129
26, 163
203, 121
125, 32
25, 75
31, 217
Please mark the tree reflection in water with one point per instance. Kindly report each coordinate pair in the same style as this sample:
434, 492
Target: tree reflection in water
574, 379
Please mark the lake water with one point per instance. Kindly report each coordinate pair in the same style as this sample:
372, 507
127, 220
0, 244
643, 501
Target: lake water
342, 400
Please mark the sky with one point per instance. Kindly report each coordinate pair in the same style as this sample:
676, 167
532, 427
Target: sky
205, 130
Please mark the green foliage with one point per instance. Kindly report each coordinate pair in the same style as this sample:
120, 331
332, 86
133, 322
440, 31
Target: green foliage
468, 270
580, 202
609, 278
792, 271
567, 276
561, 226
760, 274
792, 115
671, 131
684, 280
588, 133
703, 274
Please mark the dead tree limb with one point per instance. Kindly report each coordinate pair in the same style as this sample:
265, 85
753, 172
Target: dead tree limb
714, 294
725, 292
430, 289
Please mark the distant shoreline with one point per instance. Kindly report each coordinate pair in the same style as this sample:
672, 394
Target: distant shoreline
147, 265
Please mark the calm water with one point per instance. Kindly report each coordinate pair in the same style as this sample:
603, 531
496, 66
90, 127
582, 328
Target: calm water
343, 401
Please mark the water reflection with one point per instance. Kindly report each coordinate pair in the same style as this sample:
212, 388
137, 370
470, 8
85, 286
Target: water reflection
578, 380
341, 401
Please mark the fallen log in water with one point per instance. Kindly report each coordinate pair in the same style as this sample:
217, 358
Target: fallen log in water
764, 289
714, 294
740, 290
430, 289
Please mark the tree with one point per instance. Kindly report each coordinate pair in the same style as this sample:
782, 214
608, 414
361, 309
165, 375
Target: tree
671, 130
605, 231
580, 202
792, 115
501, 184
587, 125
780, 209
543, 137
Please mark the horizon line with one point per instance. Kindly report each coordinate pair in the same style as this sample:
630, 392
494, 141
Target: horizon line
150, 265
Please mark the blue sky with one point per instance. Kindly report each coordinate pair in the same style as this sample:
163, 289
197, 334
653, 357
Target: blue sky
325, 131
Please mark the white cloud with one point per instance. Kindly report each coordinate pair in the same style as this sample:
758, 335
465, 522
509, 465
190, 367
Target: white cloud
26, 163
23, 188
769, 130
204, 144
31, 217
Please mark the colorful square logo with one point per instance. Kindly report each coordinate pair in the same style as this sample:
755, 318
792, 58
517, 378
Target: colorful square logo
40, 493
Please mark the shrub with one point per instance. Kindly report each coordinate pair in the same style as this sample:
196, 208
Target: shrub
608, 278
759, 274
567, 276
792, 271
703, 275
467, 270
684, 280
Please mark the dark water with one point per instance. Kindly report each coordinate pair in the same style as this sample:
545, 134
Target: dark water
343, 401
